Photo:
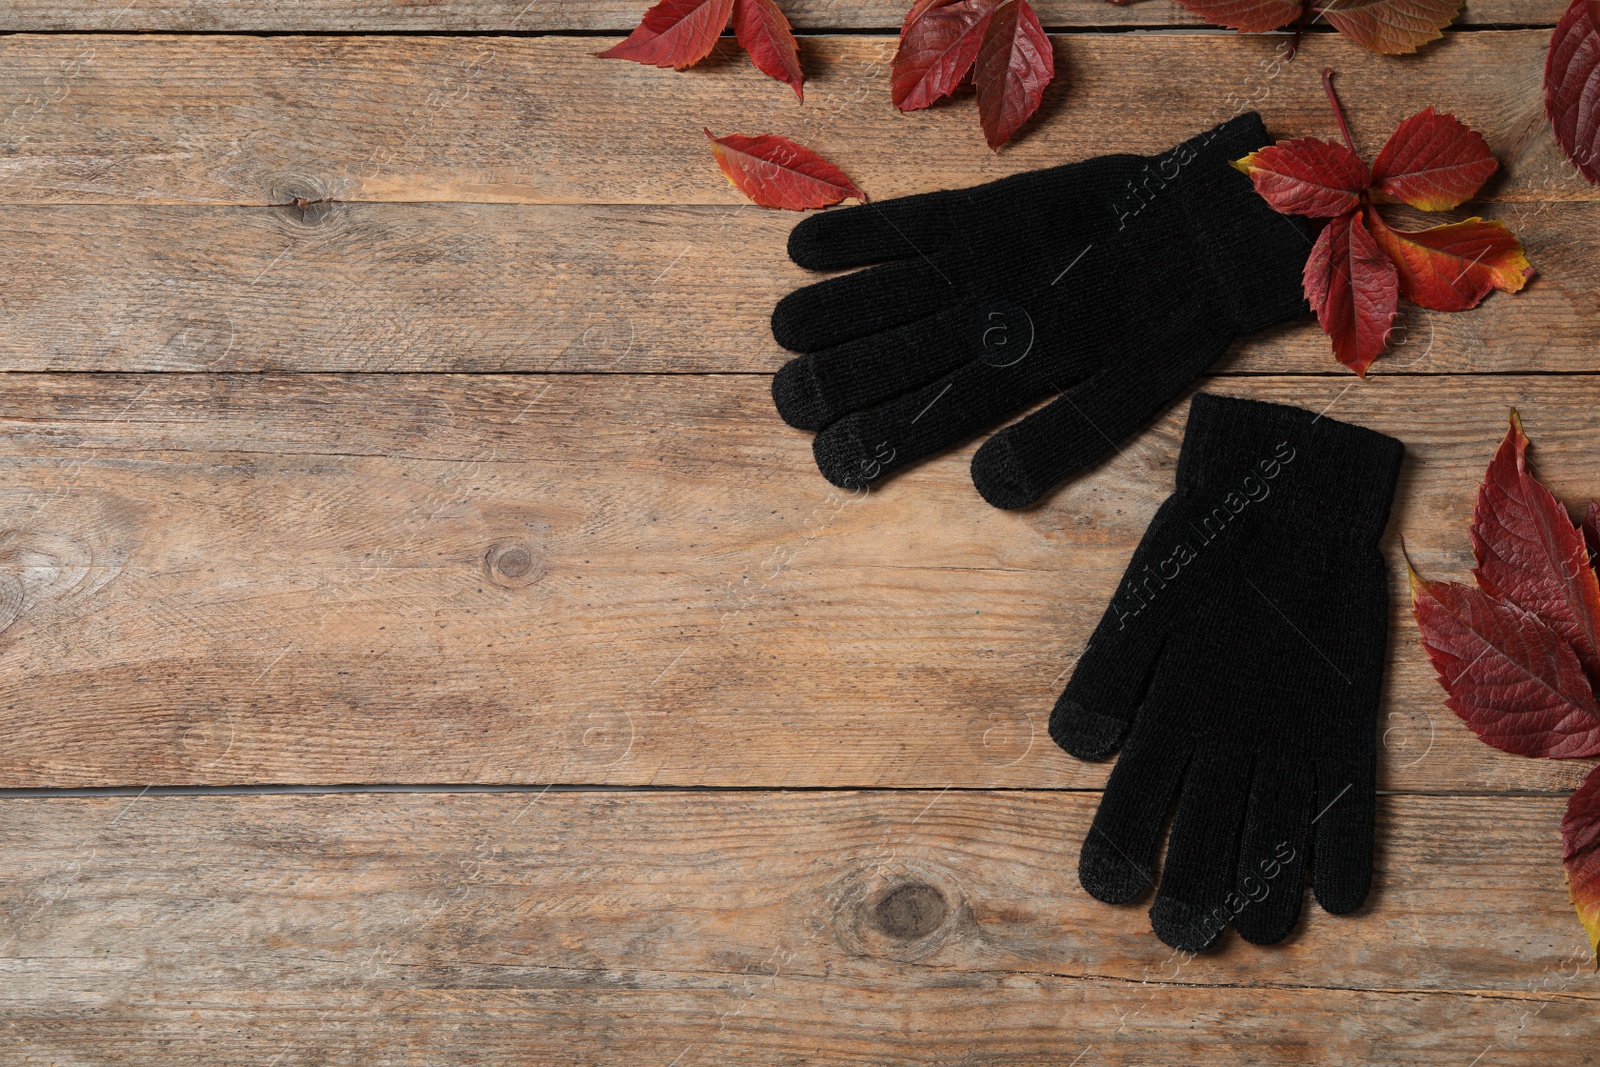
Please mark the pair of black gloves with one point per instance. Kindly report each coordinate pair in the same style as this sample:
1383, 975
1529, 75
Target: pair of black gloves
1240, 663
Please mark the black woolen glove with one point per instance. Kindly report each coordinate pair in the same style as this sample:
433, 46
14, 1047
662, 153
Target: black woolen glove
1113, 282
1249, 635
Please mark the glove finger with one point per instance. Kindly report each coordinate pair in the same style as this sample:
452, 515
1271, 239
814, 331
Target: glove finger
864, 445
1272, 851
1196, 898
813, 390
1086, 423
1342, 849
906, 227
837, 310
1110, 680
1118, 858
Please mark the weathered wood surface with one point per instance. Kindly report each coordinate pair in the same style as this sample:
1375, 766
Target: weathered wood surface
626, 571
518, 16
823, 1022
613, 578
712, 928
624, 289
269, 120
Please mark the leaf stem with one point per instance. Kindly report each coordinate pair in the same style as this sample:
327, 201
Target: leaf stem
1299, 31
1338, 112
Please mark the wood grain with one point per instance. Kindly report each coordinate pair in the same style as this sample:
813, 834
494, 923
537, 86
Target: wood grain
630, 289
612, 578
503, 16
598, 558
272, 120
713, 928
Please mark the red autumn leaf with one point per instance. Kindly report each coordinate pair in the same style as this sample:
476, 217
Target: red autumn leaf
1453, 267
1391, 26
1433, 162
1360, 265
938, 45
1529, 553
1572, 86
1015, 63
916, 11
1513, 654
999, 41
1508, 675
775, 172
1247, 16
674, 33
1308, 177
1382, 25
764, 32
1354, 289
1580, 852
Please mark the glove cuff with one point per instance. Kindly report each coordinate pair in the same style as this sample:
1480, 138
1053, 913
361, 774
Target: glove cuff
1304, 469
1255, 255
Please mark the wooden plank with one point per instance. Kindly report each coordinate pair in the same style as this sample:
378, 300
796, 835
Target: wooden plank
696, 928
620, 16
491, 287
612, 578
269, 120
733, 1019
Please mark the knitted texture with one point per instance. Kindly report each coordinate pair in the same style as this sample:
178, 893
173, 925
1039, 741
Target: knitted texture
1249, 636
1111, 283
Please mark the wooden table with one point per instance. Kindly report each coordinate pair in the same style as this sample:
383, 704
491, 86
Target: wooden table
423, 644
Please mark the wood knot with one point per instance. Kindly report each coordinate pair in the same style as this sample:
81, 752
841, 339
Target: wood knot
63, 550
13, 598
910, 911
283, 189
304, 200
313, 212
896, 909
513, 564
